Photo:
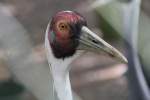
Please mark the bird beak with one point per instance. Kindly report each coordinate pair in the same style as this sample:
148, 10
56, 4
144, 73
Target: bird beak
92, 42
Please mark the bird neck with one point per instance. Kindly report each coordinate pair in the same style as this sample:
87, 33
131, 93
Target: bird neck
60, 73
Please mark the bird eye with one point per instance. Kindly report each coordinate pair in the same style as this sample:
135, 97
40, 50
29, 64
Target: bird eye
63, 26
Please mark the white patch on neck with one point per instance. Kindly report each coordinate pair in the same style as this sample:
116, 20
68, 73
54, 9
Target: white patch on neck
59, 69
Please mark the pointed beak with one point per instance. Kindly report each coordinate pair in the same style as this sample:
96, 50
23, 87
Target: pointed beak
92, 42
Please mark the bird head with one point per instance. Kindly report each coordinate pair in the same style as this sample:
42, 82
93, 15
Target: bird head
68, 32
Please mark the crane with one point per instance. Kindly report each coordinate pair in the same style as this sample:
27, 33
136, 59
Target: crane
37, 77
67, 37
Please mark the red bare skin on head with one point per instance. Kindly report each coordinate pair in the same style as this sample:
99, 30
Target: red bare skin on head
64, 29
65, 18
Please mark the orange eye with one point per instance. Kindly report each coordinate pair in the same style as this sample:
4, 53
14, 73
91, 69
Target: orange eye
63, 27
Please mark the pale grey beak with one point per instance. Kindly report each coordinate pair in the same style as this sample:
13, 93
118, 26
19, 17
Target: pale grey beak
92, 42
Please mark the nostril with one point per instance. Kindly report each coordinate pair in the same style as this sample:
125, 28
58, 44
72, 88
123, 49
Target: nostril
95, 41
